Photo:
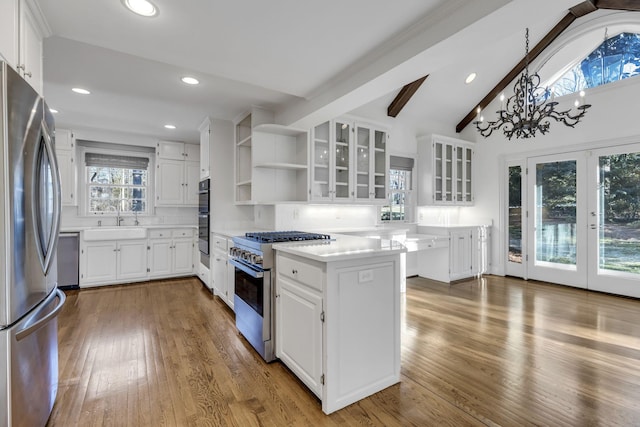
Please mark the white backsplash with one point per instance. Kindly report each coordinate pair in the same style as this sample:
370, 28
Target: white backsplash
171, 216
315, 217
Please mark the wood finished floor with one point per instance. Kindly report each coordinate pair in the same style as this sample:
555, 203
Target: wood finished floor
493, 351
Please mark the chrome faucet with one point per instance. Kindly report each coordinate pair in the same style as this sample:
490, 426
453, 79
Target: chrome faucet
136, 221
119, 219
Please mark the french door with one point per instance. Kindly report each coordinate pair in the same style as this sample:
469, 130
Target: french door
583, 222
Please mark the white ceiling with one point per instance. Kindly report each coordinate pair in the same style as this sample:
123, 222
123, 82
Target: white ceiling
307, 61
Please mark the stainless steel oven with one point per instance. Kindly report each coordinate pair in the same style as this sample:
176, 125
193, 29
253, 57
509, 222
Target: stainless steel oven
252, 258
203, 220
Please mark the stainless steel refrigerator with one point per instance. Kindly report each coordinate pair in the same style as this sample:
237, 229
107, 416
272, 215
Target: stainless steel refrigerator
30, 221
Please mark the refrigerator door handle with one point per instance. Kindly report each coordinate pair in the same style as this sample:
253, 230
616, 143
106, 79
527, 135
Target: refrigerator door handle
46, 319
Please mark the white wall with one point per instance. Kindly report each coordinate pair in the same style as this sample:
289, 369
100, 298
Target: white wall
613, 119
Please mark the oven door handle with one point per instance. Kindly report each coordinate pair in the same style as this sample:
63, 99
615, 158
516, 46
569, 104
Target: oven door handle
256, 274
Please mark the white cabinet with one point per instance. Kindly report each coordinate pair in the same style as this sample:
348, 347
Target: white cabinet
467, 254
445, 171
348, 163
171, 252
338, 324
177, 174
109, 262
65, 144
271, 161
21, 36
222, 272
205, 147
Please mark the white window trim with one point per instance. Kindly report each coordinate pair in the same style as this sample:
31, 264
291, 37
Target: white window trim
83, 209
411, 208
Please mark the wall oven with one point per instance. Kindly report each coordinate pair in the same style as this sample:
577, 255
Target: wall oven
203, 220
254, 298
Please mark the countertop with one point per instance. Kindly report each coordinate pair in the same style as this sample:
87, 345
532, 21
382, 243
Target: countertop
74, 229
341, 248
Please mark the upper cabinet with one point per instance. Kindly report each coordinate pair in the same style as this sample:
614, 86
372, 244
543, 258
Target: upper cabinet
205, 147
348, 162
22, 30
445, 171
271, 161
177, 174
65, 144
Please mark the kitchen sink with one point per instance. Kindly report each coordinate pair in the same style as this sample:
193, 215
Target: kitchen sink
115, 233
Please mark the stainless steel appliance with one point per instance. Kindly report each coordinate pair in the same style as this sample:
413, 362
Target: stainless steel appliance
30, 220
252, 258
68, 254
203, 220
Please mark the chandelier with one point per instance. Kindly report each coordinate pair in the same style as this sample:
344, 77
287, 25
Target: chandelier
527, 111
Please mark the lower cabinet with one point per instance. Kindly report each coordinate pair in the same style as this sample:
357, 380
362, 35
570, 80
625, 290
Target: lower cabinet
107, 262
338, 324
171, 252
222, 272
166, 253
466, 256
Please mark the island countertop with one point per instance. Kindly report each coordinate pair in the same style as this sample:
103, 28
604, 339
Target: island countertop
341, 247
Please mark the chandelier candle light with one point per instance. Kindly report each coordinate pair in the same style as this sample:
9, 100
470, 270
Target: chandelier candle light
527, 111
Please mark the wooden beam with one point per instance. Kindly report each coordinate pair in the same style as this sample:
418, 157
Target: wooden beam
404, 96
632, 5
583, 8
533, 54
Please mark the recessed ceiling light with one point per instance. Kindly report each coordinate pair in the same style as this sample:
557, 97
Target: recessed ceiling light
471, 77
170, 126
141, 7
190, 80
80, 91
53, 110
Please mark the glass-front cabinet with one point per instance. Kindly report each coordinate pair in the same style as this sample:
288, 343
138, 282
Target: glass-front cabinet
448, 166
349, 162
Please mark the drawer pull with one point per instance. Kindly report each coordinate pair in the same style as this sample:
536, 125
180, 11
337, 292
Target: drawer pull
294, 271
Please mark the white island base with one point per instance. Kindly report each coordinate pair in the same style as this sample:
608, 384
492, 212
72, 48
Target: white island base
338, 317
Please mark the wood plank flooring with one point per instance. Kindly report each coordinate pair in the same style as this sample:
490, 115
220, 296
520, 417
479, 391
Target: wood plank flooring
493, 351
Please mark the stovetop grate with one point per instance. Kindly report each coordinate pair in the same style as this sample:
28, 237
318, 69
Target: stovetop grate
284, 236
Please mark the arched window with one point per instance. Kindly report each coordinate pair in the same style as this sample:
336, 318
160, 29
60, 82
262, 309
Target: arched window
615, 59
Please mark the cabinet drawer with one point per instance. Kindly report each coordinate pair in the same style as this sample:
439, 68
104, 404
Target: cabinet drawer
219, 242
307, 274
182, 232
162, 233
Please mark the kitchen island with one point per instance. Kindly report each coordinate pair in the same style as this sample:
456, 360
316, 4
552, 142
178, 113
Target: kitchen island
338, 316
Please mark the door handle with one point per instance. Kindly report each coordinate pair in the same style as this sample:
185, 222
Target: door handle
40, 323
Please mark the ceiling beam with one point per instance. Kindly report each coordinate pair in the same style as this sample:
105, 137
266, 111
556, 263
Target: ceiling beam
583, 8
404, 96
632, 5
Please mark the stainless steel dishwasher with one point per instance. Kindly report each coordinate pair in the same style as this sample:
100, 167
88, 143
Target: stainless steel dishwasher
68, 260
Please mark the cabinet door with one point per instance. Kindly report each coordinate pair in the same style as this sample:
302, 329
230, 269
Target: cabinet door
9, 30
379, 165
132, 259
182, 256
341, 165
461, 254
170, 182
320, 154
363, 163
192, 178
192, 153
205, 134
231, 284
100, 262
443, 172
160, 257
68, 174
170, 150
219, 275
299, 332
30, 49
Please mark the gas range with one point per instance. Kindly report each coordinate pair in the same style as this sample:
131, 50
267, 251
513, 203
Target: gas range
255, 248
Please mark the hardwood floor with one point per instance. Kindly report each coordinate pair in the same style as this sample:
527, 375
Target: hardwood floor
493, 351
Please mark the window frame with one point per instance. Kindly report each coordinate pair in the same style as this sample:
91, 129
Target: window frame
410, 194
84, 199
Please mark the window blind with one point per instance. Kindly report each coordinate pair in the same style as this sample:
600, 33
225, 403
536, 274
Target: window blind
114, 161
401, 163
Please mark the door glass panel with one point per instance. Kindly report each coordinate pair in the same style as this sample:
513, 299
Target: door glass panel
438, 172
363, 147
515, 214
619, 213
342, 160
555, 204
449, 173
44, 213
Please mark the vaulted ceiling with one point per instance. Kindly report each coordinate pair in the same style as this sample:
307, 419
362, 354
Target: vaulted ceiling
306, 61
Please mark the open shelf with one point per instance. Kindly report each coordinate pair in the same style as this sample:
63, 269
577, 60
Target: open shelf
283, 166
